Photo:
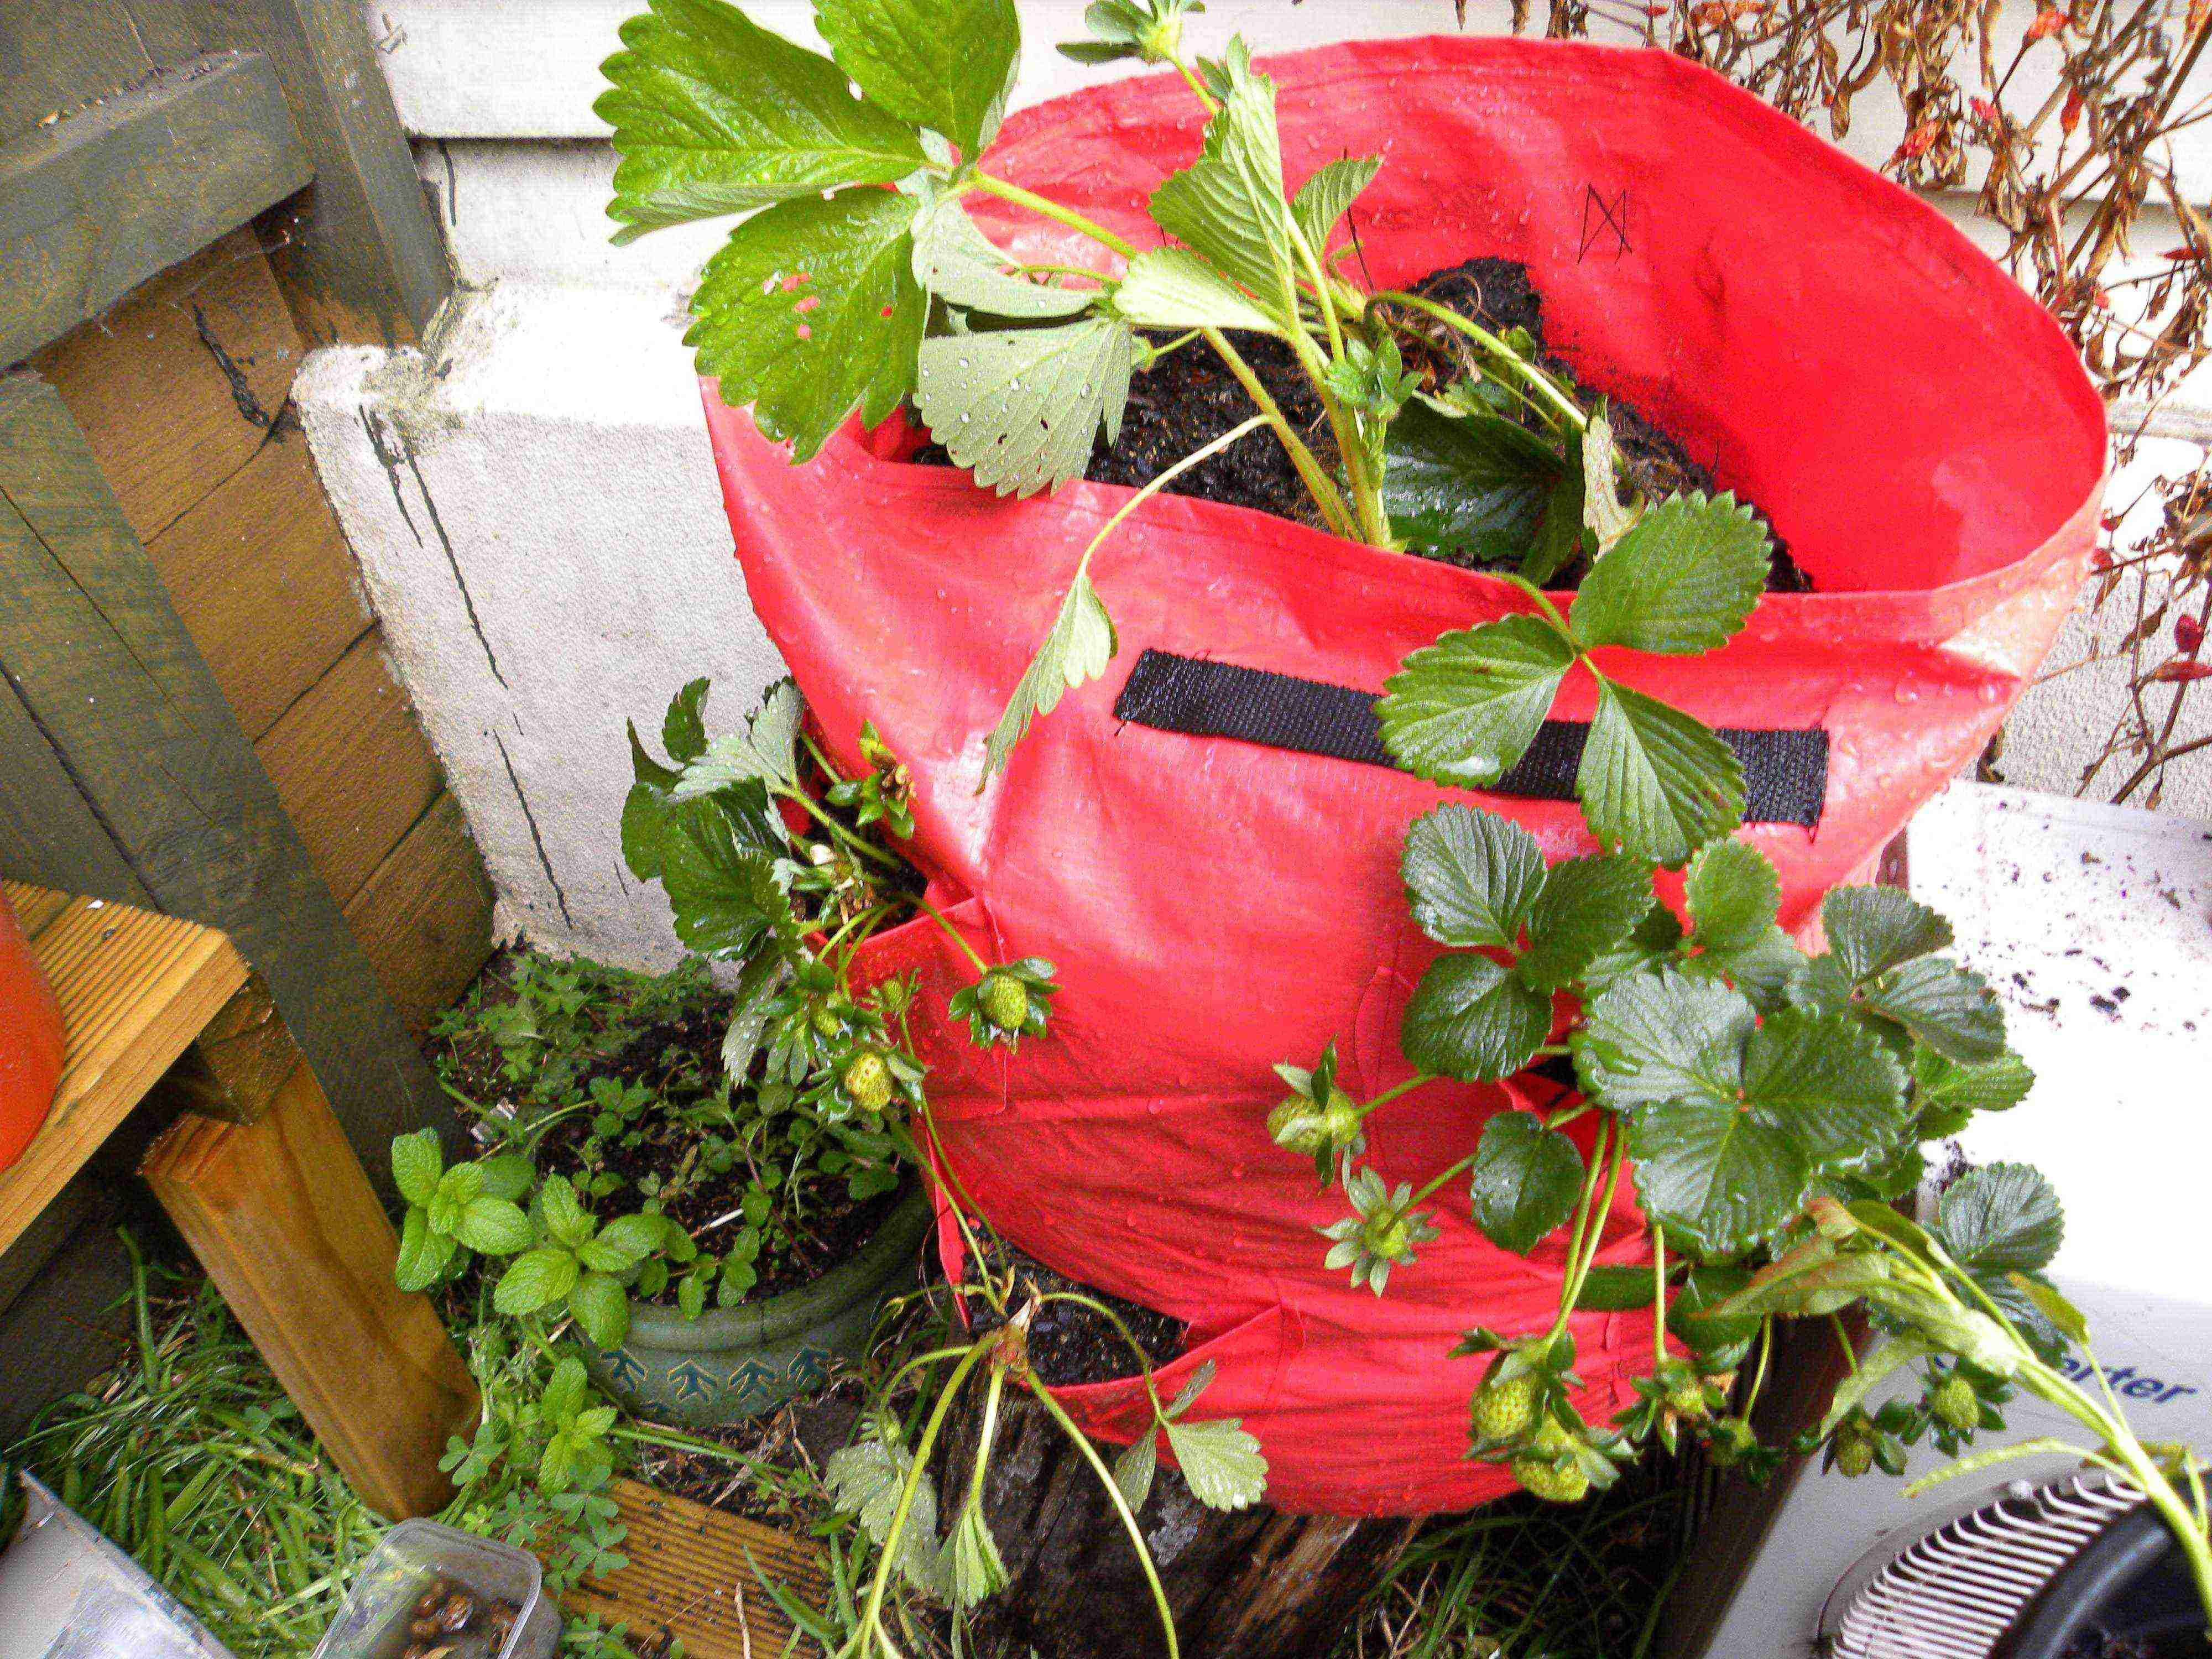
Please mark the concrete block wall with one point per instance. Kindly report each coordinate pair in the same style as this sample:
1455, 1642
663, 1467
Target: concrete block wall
533, 502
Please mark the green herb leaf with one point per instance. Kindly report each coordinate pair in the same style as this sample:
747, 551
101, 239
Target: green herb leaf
1714, 1176
1653, 781
1471, 876
2001, 1218
495, 1226
417, 1165
1020, 407
1872, 930
754, 1006
1590, 906
424, 1253
1659, 1036
1830, 1084
1220, 1462
1134, 1467
623, 1243
537, 1278
1173, 288
1526, 1180
1471, 1019
566, 1221
865, 1479
956, 262
1228, 205
1471, 488
644, 829
712, 114
811, 311
1077, 650
1323, 199
601, 1306
973, 1565
1463, 710
1733, 895
1949, 1008
684, 728
1682, 581
943, 65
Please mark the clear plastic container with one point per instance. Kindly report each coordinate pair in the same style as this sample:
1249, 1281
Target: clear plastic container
415, 1556
67, 1593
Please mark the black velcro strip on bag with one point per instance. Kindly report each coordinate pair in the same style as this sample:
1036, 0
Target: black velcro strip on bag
1785, 772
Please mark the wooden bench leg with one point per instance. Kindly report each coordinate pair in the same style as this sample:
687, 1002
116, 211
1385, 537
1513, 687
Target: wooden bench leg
280, 1211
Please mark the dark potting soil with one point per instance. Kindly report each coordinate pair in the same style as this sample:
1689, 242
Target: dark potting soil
1190, 398
2178, 1644
677, 1056
1068, 1343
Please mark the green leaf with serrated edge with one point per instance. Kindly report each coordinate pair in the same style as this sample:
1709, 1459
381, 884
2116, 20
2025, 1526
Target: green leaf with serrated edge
754, 1006
1471, 1019
644, 830
1134, 1467
1228, 205
628, 1240
1588, 908
495, 1226
644, 768
1471, 488
1463, 710
1894, 1353
1173, 288
1733, 894
564, 1219
1653, 943
1075, 650
1694, 1317
811, 311
1659, 1036
1607, 520
507, 1175
2064, 1315
1199, 1380
1765, 969
1829, 1083
1653, 781
1220, 1462
423, 1254
1021, 407
956, 262
713, 115
2001, 1218
1873, 929
1560, 537
1525, 1182
1994, 1086
1471, 876
1949, 1008
601, 1306
1611, 1289
536, 1279
684, 728
417, 1165
1323, 199
1682, 581
973, 1567
724, 895
1714, 1176
865, 1479
943, 65
766, 748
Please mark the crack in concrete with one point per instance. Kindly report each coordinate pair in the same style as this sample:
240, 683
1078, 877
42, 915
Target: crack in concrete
530, 818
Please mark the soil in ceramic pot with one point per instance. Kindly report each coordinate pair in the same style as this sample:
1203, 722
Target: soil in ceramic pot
1190, 398
1069, 1344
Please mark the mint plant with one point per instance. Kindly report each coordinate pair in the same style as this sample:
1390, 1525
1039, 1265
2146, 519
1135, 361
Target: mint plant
861, 284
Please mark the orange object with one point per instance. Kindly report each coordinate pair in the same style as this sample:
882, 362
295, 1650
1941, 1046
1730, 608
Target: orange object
30, 1040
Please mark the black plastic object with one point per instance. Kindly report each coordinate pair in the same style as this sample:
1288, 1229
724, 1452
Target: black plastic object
2128, 1595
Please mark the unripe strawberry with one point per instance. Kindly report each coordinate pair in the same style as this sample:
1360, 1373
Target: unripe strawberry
867, 1080
1297, 1127
1954, 1402
1005, 999
1387, 1236
1504, 1407
1686, 1400
1854, 1449
825, 1020
1559, 1482
1340, 1119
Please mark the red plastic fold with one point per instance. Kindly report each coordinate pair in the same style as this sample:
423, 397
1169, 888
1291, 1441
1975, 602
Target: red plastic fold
1918, 428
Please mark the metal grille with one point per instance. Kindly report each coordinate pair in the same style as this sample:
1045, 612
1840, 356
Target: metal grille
1952, 1593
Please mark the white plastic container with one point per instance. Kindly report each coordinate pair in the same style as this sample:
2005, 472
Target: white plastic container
417, 1554
66, 1592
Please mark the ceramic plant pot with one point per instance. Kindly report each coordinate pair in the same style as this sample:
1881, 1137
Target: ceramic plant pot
30, 1040
734, 1363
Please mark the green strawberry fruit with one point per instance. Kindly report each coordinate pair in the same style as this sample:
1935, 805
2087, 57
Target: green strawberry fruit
1686, 1400
826, 1021
867, 1079
1340, 1119
1005, 999
1555, 1483
1955, 1403
1505, 1407
1853, 1449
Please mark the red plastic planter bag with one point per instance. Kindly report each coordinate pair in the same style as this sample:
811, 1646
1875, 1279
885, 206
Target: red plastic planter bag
1220, 888
30, 1041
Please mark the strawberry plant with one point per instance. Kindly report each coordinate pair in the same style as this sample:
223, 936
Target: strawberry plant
861, 283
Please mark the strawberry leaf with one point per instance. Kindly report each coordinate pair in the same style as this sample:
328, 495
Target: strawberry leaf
1471, 488
1525, 1182
1020, 407
1463, 710
1733, 895
1471, 876
1588, 908
1077, 649
1718, 1179
1471, 1019
943, 65
1653, 781
1682, 580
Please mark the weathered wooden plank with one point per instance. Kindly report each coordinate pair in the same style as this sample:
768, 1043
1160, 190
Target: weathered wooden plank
263, 579
178, 386
351, 767
690, 1579
48, 832
359, 252
281, 1215
424, 918
57, 56
67, 1326
98, 202
93, 648
135, 988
